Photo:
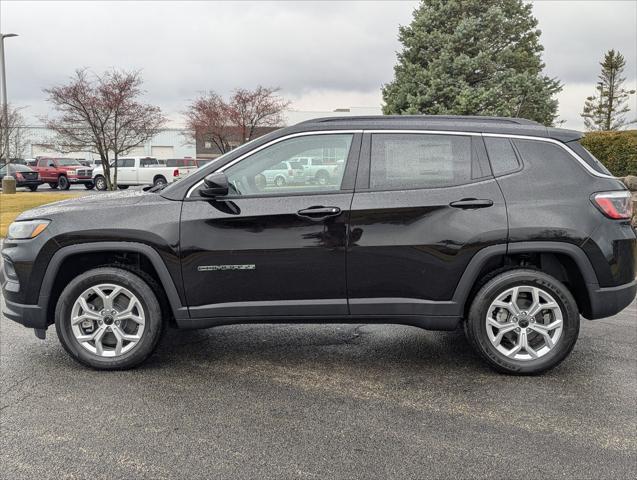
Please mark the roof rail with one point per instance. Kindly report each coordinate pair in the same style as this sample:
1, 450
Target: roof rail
428, 118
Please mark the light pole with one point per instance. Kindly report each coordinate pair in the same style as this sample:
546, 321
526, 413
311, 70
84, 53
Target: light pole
8, 182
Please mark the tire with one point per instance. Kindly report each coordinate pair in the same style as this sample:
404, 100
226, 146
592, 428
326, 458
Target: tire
53, 185
147, 306
159, 181
89, 186
484, 338
64, 183
33, 188
322, 177
100, 183
279, 181
122, 187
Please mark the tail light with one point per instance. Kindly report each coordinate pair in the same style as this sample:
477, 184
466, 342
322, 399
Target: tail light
616, 205
176, 172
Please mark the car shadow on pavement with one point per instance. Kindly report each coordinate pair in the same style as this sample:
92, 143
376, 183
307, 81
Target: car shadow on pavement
362, 345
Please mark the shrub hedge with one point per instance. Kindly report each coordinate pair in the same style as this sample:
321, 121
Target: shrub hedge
616, 150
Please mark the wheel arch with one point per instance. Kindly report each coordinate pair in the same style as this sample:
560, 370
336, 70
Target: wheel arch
566, 262
99, 254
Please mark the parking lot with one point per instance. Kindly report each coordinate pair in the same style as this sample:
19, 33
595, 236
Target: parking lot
328, 401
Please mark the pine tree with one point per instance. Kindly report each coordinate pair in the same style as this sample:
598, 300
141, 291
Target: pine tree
607, 109
472, 57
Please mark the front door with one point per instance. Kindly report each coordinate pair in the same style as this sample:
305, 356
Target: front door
271, 247
424, 205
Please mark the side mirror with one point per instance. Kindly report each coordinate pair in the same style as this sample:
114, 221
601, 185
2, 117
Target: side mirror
215, 185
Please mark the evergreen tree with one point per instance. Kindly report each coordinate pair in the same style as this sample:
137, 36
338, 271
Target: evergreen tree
606, 110
472, 57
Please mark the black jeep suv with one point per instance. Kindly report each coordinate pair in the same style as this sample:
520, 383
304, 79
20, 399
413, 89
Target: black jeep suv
502, 226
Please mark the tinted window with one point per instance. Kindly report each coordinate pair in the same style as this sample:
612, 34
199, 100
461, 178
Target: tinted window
269, 170
419, 161
148, 162
502, 155
43, 162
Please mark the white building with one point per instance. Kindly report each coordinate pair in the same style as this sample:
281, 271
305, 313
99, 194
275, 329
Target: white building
170, 142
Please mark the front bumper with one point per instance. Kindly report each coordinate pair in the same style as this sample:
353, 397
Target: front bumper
78, 180
609, 301
32, 316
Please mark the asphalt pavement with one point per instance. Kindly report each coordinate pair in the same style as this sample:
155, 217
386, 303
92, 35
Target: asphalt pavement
319, 401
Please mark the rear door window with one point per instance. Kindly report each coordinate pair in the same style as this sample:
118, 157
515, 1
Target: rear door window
408, 161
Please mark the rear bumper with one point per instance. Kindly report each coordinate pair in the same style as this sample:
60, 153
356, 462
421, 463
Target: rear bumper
28, 183
606, 302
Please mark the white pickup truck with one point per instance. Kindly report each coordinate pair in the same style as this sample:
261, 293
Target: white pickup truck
137, 171
317, 170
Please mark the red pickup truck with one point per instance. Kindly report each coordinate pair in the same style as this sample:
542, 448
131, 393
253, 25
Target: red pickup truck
62, 172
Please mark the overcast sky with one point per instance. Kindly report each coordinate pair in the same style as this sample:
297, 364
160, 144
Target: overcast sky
322, 55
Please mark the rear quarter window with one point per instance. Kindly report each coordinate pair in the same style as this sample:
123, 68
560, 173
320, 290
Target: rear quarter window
588, 157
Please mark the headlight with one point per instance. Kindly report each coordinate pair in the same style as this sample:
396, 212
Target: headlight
29, 229
71, 172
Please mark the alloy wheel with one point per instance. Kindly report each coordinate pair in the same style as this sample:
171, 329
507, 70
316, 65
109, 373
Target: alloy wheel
524, 323
108, 320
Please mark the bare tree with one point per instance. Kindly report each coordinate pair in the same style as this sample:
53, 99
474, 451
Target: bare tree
102, 115
17, 134
208, 119
251, 109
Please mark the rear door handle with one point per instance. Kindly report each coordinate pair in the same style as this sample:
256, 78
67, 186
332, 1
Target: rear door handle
469, 203
319, 212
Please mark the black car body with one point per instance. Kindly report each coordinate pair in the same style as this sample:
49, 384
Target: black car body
404, 237
24, 175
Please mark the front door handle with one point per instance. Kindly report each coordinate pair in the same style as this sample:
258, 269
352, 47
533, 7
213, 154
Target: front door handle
319, 212
470, 203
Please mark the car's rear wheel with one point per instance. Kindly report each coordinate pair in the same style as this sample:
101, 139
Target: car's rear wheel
64, 183
523, 322
100, 183
33, 188
89, 186
108, 318
53, 185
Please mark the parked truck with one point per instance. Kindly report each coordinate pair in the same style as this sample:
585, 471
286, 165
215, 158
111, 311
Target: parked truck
63, 172
137, 171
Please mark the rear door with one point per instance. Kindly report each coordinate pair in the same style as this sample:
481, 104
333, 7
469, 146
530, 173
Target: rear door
126, 171
270, 249
424, 205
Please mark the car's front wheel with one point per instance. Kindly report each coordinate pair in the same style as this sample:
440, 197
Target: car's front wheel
64, 183
100, 183
108, 318
523, 322
33, 188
